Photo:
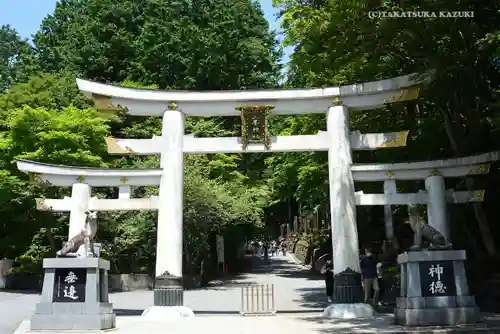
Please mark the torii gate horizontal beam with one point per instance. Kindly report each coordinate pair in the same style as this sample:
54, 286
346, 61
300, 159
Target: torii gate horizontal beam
152, 203
61, 175
301, 143
421, 197
97, 204
147, 102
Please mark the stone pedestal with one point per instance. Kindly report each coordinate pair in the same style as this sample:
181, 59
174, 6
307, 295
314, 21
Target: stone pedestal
74, 296
434, 290
168, 291
347, 288
168, 300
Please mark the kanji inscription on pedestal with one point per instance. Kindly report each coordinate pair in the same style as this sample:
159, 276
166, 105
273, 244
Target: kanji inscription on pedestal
437, 278
69, 285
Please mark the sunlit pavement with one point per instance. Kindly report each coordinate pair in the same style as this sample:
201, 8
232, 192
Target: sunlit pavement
296, 290
299, 298
14, 307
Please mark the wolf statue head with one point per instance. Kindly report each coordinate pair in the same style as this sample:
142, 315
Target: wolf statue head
91, 215
91, 223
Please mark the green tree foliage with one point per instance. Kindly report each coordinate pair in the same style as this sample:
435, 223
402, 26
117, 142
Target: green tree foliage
69, 136
188, 45
221, 45
17, 61
216, 197
337, 42
185, 45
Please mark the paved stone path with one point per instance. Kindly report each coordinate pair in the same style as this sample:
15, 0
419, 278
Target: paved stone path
299, 297
14, 308
296, 290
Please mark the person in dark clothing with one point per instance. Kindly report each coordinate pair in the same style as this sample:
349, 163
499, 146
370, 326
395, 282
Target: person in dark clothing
384, 259
381, 282
266, 251
388, 257
369, 275
327, 271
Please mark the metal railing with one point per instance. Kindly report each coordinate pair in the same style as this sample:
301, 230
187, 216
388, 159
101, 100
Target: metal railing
257, 299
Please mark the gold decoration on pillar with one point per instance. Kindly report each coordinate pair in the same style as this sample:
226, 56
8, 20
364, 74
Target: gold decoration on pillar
337, 101
41, 205
482, 169
129, 151
114, 148
478, 196
35, 178
407, 94
435, 172
390, 173
81, 178
172, 106
105, 103
399, 140
254, 125
123, 180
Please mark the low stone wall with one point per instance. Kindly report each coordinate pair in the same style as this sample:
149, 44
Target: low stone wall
129, 282
192, 282
300, 251
316, 254
116, 282
24, 281
5, 266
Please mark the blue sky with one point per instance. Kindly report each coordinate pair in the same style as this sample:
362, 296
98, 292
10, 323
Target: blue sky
26, 15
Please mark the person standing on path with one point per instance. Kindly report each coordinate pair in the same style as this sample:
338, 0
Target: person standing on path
368, 266
327, 271
381, 283
266, 251
386, 257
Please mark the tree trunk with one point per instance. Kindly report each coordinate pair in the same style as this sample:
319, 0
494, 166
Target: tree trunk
50, 237
482, 220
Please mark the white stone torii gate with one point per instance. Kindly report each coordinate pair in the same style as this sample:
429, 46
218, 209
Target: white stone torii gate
174, 105
82, 179
435, 195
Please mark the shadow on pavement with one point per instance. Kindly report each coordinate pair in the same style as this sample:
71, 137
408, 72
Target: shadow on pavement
349, 325
283, 268
313, 298
134, 313
232, 283
300, 273
20, 292
385, 324
120, 312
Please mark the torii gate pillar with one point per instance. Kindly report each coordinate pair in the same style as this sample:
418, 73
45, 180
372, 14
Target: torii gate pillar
348, 293
168, 286
80, 196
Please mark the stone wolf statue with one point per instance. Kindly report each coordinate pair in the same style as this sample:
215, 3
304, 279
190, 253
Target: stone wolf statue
423, 230
85, 237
